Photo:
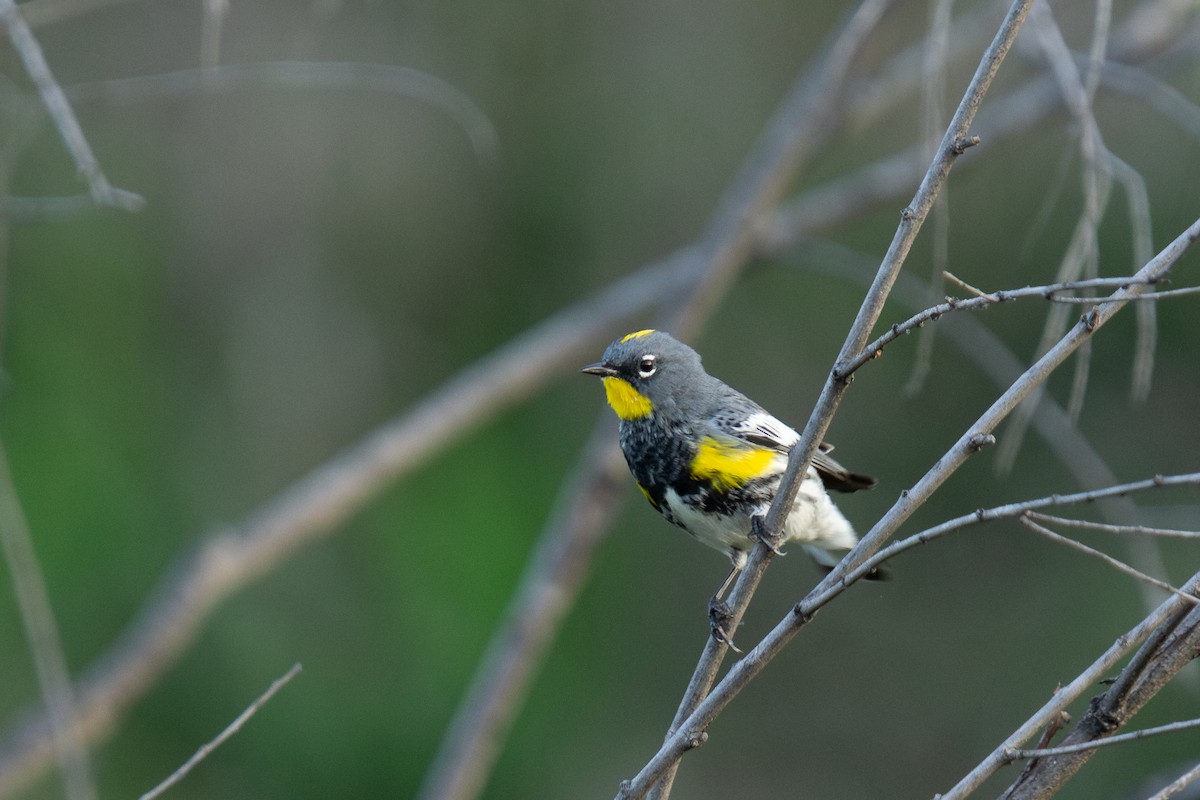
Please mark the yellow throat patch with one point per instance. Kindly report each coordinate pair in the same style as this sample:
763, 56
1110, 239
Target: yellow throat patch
627, 401
729, 465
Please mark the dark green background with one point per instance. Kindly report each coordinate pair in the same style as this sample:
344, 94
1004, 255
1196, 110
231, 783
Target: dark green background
312, 262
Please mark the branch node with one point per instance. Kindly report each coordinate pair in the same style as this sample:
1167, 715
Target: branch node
962, 143
695, 739
979, 441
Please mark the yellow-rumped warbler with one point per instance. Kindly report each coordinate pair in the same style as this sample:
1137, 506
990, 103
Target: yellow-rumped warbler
709, 459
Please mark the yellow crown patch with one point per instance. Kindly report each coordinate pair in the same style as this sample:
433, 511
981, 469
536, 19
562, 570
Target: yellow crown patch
636, 335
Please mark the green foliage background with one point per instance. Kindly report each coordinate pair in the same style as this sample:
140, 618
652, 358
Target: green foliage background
311, 262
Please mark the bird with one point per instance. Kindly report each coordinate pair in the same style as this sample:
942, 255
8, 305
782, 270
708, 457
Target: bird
709, 459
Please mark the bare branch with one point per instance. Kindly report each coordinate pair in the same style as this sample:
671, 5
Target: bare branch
1118, 739
801, 455
56, 104
1138, 530
1177, 785
1084, 682
1009, 511
770, 646
383, 78
547, 590
1151, 28
1147, 296
484, 716
981, 345
981, 300
233, 727
1120, 566
1175, 644
802, 120
318, 503
45, 644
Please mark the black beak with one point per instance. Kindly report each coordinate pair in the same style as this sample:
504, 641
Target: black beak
599, 368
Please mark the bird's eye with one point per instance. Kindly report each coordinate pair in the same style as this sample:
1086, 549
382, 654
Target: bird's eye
647, 366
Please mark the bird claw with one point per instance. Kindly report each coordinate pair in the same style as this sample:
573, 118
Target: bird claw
759, 533
719, 616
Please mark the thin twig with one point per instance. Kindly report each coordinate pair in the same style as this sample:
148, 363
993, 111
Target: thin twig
1137, 530
102, 192
1151, 28
1187, 290
1009, 511
982, 346
1084, 682
1177, 785
1120, 738
982, 300
960, 283
1082, 254
45, 643
1116, 564
1171, 647
335, 75
232, 728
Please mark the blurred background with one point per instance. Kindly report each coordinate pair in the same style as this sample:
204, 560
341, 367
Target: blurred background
316, 255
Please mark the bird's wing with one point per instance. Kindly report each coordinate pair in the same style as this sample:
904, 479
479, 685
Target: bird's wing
761, 429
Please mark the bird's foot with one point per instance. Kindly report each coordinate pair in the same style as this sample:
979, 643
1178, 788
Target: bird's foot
720, 616
759, 533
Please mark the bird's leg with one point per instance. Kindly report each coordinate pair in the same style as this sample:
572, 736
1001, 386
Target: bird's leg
719, 613
759, 533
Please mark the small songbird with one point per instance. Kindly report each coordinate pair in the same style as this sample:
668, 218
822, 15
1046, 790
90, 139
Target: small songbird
709, 459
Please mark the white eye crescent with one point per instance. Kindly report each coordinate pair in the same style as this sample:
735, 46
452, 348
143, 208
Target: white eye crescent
647, 366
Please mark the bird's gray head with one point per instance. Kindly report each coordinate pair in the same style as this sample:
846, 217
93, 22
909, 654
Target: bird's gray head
648, 370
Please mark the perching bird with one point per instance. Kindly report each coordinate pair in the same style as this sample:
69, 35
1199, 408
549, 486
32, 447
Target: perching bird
709, 459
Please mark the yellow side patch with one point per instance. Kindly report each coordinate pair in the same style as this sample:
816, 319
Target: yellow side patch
729, 465
627, 401
636, 335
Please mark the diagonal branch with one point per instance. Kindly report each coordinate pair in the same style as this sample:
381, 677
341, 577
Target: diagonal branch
1171, 609
1011, 511
1122, 738
315, 505
1177, 645
207, 748
1120, 566
952, 145
102, 192
773, 643
45, 643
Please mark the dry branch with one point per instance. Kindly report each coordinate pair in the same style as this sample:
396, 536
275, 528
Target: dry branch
1141, 680
773, 643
